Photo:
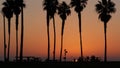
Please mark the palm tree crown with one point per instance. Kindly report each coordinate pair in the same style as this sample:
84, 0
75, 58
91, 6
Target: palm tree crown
104, 9
46, 5
50, 6
63, 11
7, 10
16, 9
78, 4
20, 3
53, 8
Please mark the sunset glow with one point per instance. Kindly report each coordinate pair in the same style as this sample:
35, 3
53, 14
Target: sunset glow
35, 34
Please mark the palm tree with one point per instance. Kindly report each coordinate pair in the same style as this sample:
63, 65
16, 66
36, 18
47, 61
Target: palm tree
46, 5
63, 12
16, 10
9, 14
53, 6
21, 5
104, 8
4, 29
79, 6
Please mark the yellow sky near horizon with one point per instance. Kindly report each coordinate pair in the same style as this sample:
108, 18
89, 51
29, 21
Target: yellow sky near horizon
35, 36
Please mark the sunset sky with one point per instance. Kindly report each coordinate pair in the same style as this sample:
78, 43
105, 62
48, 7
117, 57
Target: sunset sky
35, 34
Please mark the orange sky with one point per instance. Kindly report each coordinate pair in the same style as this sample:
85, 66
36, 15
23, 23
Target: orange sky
35, 38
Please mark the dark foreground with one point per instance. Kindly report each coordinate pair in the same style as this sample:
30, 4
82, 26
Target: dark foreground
61, 65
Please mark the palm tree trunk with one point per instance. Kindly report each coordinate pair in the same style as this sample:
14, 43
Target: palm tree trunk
48, 36
54, 38
17, 17
22, 35
9, 24
61, 48
63, 23
4, 38
80, 30
105, 31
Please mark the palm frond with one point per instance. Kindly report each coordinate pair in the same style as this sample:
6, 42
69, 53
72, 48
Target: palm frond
5, 4
111, 7
74, 3
99, 7
20, 3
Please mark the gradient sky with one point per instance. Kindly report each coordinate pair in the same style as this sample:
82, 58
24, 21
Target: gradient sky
35, 35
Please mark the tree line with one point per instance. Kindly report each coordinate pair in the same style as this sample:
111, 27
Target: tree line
104, 8
16, 7
13, 7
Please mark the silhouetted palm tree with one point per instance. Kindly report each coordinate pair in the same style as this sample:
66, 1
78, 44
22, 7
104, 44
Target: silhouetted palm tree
53, 9
79, 6
9, 14
22, 5
104, 8
63, 12
4, 9
47, 8
16, 10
